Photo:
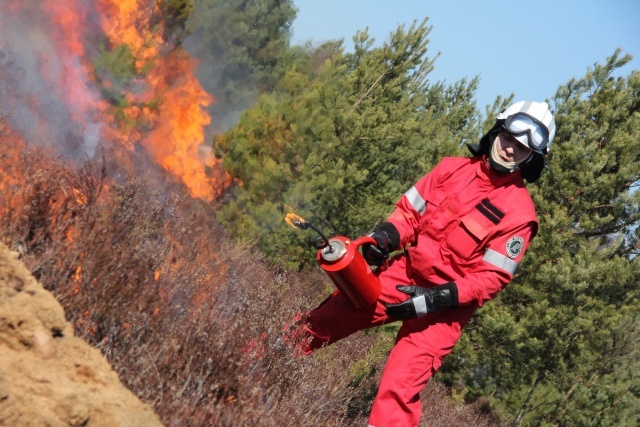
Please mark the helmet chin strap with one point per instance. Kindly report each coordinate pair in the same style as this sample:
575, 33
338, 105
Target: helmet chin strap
500, 165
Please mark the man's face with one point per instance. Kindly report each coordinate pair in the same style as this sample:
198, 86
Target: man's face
510, 149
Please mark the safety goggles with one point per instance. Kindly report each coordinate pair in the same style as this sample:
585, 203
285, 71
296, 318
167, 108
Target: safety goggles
523, 124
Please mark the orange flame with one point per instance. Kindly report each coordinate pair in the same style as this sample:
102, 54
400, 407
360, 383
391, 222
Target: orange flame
81, 199
294, 220
166, 113
77, 276
176, 135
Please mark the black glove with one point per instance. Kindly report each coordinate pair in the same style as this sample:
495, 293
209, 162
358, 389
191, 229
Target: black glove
376, 255
423, 301
387, 240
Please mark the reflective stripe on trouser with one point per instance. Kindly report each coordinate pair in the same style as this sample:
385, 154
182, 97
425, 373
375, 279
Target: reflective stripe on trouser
420, 345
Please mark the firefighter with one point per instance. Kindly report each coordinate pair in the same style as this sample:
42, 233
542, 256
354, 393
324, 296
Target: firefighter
465, 227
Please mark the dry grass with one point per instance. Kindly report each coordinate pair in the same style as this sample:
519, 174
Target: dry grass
191, 321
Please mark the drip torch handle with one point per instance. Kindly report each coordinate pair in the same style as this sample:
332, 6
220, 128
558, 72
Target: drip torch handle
364, 240
368, 239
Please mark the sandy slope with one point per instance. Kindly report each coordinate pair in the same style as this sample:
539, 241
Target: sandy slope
49, 377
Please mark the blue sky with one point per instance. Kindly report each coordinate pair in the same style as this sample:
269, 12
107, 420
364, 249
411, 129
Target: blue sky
528, 48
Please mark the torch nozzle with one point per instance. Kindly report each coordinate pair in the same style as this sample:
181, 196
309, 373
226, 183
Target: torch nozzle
297, 222
300, 224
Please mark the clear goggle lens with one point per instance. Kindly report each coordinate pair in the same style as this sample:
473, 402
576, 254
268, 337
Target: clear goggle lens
522, 123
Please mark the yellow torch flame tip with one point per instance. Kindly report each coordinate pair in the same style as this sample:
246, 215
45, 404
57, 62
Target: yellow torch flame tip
294, 220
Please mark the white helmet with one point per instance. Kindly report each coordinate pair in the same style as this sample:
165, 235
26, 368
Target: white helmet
531, 123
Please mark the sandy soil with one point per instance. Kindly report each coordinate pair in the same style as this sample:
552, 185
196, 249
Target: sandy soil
49, 377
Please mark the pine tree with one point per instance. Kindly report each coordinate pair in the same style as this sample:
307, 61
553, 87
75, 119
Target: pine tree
341, 139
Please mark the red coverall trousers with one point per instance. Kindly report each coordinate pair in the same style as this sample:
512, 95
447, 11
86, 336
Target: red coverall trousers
420, 346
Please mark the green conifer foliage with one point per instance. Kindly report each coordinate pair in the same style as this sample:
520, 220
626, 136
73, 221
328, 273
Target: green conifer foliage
341, 139
560, 345
242, 46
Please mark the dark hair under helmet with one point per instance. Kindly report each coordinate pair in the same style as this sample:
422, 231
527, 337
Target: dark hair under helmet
530, 170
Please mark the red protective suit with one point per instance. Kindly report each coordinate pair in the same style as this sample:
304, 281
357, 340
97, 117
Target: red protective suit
465, 223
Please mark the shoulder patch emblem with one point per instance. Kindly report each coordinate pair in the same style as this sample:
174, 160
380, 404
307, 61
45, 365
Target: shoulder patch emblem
514, 246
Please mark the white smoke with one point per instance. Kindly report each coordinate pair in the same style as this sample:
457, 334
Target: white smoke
38, 78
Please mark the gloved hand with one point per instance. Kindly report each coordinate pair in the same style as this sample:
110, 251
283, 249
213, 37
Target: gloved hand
423, 301
387, 240
378, 254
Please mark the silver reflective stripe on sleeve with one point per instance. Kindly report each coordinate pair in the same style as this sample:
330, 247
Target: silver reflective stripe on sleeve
420, 304
500, 261
416, 200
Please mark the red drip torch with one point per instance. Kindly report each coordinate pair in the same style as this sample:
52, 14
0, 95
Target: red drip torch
345, 266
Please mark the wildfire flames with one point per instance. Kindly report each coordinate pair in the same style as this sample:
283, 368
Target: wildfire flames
53, 92
82, 78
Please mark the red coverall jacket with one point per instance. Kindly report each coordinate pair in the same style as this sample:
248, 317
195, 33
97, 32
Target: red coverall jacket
464, 223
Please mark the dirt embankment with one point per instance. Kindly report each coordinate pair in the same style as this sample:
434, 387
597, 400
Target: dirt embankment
49, 377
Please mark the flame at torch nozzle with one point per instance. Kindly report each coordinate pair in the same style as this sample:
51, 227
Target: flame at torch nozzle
296, 221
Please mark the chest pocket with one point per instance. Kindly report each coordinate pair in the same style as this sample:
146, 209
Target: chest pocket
469, 236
